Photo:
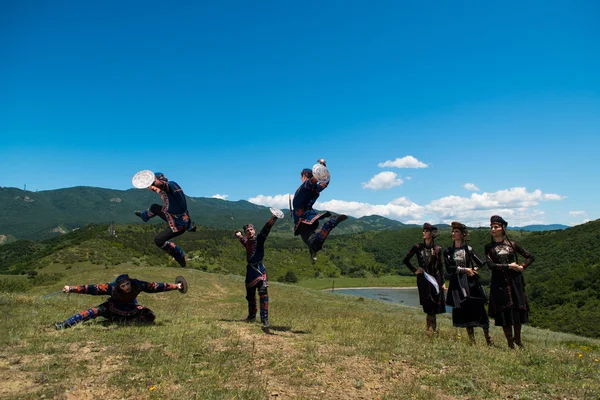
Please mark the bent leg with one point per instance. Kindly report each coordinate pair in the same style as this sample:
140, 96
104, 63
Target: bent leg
153, 211
320, 235
162, 241
145, 315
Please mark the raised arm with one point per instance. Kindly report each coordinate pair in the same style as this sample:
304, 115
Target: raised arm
267, 228
315, 185
159, 186
95, 290
410, 254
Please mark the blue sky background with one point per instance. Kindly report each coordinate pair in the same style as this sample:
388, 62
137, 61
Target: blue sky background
234, 99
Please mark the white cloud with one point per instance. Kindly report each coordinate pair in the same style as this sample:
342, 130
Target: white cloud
471, 187
277, 201
516, 205
404, 162
383, 180
398, 209
408, 178
514, 202
576, 213
220, 196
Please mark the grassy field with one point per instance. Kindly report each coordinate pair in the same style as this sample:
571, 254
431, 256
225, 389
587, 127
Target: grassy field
323, 346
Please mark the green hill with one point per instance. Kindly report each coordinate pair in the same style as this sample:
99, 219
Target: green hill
41, 215
324, 346
563, 283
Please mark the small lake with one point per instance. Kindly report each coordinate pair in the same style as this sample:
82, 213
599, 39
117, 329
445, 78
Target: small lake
406, 296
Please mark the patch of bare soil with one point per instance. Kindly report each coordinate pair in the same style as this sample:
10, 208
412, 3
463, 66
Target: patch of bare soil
14, 380
349, 377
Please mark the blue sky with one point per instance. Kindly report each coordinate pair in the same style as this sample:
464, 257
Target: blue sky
496, 103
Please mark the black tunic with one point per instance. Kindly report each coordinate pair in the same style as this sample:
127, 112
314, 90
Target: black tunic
430, 260
466, 296
508, 301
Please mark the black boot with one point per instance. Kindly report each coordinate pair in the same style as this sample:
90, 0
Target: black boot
340, 218
61, 325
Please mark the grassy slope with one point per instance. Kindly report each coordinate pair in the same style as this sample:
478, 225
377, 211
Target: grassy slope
324, 346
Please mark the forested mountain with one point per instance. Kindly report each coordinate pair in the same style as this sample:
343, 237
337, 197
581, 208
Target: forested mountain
46, 214
563, 283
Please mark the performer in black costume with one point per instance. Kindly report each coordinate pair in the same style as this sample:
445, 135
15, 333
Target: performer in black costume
173, 211
508, 301
306, 219
256, 274
429, 258
466, 296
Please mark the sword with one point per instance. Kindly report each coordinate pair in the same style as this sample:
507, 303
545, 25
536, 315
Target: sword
52, 294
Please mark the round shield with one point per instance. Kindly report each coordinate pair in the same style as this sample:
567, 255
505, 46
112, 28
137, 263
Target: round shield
143, 179
276, 212
184, 285
321, 173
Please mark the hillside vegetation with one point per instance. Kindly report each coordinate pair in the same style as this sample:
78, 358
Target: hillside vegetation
563, 283
46, 214
323, 346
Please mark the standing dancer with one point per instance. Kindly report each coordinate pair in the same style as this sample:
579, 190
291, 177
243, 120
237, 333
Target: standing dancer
466, 296
174, 211
430, 275
256, 274
508, 301
306, 220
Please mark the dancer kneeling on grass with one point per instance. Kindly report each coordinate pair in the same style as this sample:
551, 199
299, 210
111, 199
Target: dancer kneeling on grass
122, 305
466, 296
508, 301
430, 270
256, 273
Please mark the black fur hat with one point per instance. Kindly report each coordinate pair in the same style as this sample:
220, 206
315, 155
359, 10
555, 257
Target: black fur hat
121, 279
460, 227
428, 227
307, 172
496, 219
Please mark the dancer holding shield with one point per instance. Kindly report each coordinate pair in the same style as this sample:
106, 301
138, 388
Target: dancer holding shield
122, 305
173, 211
466, 296
508, 301
256, 273
306, 220
430, 275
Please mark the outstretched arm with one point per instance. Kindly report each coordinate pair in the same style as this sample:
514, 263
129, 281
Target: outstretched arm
157, 287
95, 290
